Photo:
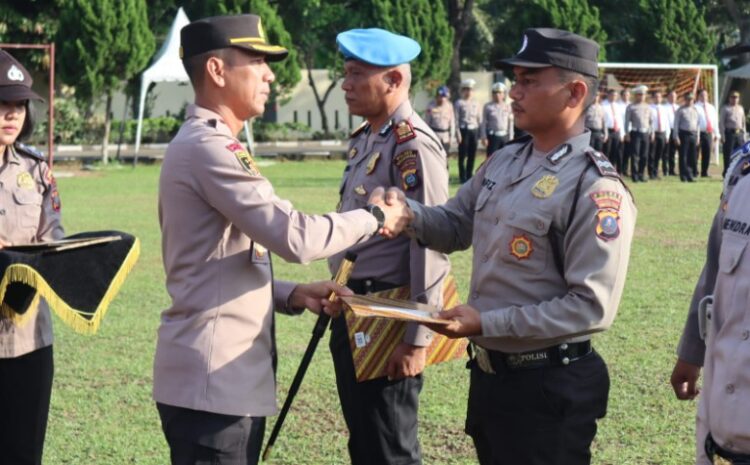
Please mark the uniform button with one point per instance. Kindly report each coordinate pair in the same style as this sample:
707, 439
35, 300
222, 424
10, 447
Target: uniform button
729, 445
497, 220
565, 361
745, 334
540, 224
475, 295
730, 388
564, 346
512, 216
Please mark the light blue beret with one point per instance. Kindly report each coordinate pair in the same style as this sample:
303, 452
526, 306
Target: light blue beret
377, 47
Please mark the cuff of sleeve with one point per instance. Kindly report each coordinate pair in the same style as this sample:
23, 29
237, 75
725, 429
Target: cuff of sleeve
692, 352
415, 228
366, 219
494, 324
282, 295
418, 335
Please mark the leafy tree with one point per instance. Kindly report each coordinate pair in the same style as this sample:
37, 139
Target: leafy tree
461, 17
103, 43
30, 22
571, 15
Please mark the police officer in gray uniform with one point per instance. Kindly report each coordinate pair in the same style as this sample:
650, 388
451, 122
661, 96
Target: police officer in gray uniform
393, 147
497, 121
686, 127
596, 122
716, 331
468, 118
551, 223
638, 122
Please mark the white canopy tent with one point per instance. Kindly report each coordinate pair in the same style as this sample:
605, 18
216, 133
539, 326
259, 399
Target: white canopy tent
166, 67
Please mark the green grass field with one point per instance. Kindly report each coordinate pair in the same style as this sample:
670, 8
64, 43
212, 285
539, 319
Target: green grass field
102, 412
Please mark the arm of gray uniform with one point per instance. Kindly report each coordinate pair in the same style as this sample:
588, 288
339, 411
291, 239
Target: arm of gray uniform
605, 129
449, 227
282, 295
723, 120
50, 222
626, 123
677, 118
483, 123
427, 268
594, 270
249, 202
511, 129
691, 347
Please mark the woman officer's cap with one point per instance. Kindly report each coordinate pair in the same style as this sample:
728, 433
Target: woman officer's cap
15, 80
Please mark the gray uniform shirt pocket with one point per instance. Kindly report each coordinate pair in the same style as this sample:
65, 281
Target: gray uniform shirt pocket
524, 242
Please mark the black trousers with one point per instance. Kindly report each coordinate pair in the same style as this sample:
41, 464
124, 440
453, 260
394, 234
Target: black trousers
688, 154
495, 142
206, 438
706, 143
639, 146
381, 415
25, 389
467, 151
543, 416
670, 155
613, 150
658, 154
597, 140
732, 141
626, 153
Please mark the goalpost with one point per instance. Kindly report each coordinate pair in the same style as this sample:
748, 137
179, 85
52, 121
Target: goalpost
662, 76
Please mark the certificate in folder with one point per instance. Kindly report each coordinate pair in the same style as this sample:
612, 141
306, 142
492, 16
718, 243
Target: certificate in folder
376, 324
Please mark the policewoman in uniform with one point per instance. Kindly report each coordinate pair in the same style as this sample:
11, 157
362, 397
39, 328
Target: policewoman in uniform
214, 368
441, 118
29, 213
393, 147
716, 331
497, 120
551, 223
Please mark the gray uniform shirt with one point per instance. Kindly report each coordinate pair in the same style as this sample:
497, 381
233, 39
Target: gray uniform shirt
538, 279
29, 213
732, 118
638, 118
405, 154
497, 120
686, 119
468, 114
595, 118
725, 355
442, 120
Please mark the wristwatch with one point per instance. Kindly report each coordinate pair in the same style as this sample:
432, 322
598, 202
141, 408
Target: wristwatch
377, 212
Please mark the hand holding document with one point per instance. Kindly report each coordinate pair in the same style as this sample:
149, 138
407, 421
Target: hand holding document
368, 306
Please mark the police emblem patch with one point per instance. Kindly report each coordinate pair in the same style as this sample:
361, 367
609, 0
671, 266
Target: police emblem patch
360, 190
407, 162
521, 247
25, 181
545, 186
607, 214
15, 74
373, 162
352, 152
244, 157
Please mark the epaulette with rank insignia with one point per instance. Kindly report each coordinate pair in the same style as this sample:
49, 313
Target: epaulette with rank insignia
29, 151
359, 130
602, 164
404, 132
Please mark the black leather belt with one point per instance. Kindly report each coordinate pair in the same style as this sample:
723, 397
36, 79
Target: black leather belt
366, 286
439, 130
492, 361
596, 131
722, 456
732, 131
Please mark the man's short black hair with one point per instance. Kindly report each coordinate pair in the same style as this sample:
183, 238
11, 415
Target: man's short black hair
592, 84
195, 65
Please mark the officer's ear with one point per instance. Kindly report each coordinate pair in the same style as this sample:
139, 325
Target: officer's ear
215, 68
578, 91
393, 79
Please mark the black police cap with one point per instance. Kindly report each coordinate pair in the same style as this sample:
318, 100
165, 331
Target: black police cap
544, 47
15, 80
238, 31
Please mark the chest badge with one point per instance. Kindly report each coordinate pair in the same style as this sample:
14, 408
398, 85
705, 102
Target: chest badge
374, 158
352, 152
360, 190
521, 247
545, 187
25, 181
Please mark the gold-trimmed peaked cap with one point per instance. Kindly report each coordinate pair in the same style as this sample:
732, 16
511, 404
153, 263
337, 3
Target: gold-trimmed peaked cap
240, 31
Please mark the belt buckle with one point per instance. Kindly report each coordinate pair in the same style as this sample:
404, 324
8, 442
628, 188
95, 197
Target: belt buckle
483, 359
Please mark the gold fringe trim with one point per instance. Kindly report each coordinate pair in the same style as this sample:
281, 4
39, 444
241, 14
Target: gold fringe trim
69, 315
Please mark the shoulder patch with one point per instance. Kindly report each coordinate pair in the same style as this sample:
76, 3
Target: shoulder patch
561, 153
54, 194
29, 151
244, 157
407, 163
607, 214
404, 132
603, 165
362, 127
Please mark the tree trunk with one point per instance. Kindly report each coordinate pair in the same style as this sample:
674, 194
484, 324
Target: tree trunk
320, 101
460, 19
107, 124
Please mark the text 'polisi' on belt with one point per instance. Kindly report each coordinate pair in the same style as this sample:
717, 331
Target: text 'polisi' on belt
493, 362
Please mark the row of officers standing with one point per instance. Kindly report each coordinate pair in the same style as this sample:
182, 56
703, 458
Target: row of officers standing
637, 135
466, 123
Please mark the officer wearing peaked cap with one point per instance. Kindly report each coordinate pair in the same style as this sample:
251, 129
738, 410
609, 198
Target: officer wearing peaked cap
394, 147
551, 223
214, 380
29, 213
640, 132
469, 119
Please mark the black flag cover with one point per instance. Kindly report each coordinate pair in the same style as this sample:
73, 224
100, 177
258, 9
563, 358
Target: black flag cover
78, 277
